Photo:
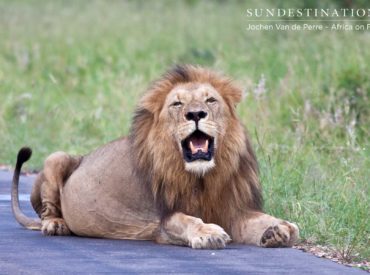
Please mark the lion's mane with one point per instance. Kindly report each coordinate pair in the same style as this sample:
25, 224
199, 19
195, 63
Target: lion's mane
227, 191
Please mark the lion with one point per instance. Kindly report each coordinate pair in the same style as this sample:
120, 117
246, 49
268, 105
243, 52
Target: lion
185, 175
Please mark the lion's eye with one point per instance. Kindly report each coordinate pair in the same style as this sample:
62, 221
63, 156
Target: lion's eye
211, 100
177, 104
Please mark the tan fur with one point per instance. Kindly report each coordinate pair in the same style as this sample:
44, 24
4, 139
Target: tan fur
140, 187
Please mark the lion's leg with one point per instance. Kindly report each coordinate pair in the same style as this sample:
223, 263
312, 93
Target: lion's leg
181, 229
36, 194
264, 230
58, 166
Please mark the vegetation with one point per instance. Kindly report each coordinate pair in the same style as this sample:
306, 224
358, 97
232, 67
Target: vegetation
71, 73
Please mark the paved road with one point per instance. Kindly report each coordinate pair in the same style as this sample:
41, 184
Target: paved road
28, 252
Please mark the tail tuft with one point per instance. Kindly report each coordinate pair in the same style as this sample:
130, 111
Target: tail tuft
24, 154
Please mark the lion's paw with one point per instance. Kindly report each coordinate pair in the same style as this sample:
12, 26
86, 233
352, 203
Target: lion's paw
284, 234
55, 227
209, 236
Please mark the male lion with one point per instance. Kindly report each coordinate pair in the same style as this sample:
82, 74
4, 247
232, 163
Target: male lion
186, 175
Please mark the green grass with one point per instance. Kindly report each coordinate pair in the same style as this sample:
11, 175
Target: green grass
71, 73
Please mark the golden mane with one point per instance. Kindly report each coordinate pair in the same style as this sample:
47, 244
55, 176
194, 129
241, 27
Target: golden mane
228, 190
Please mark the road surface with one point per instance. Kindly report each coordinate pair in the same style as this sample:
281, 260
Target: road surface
29, 252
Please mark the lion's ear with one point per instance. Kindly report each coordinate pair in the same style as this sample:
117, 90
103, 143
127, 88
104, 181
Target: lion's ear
230, 92
232, 95
153, 101
155, 97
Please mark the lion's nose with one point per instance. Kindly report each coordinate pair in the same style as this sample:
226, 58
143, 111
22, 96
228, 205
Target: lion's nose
196, 116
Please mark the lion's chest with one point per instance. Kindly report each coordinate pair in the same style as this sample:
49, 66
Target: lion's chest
202, 203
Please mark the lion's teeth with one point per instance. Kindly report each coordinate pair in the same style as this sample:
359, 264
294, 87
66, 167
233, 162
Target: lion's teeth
205, 148
192, 148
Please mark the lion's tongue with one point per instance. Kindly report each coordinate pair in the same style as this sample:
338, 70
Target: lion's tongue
197, 144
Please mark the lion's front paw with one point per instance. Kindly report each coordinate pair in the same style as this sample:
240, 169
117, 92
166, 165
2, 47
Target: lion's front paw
284, 234
209, 236
55, 227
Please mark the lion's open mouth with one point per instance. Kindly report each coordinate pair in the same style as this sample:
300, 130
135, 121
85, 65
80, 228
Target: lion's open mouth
198, 146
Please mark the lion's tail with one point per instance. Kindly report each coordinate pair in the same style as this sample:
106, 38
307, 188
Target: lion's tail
35, 224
